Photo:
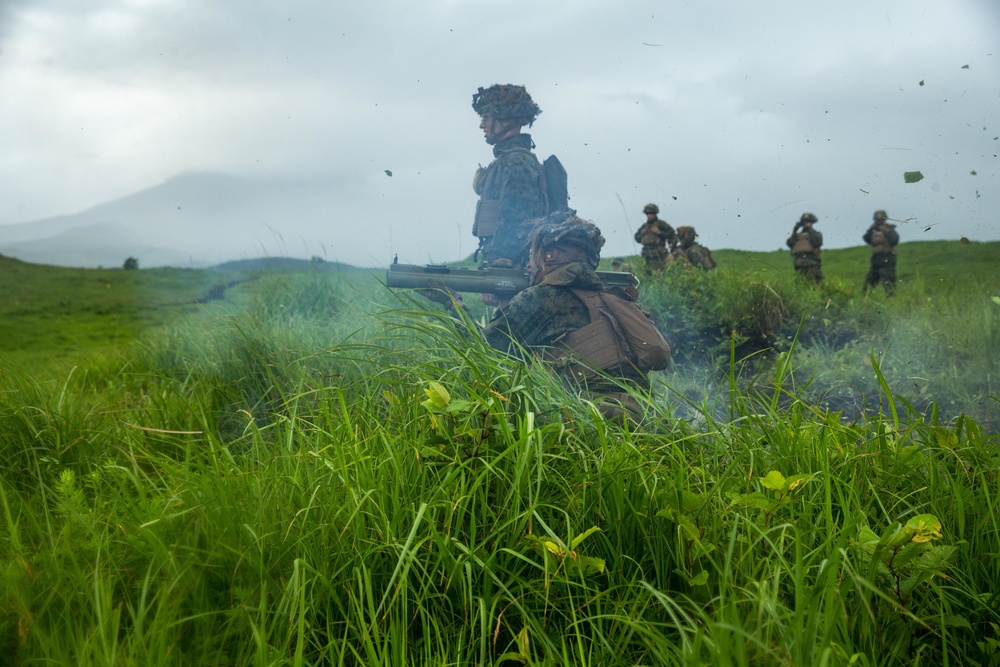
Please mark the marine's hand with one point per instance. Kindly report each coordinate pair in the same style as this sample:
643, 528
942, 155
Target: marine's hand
440, 294
502, 263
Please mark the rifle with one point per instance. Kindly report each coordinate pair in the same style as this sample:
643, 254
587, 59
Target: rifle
504, 283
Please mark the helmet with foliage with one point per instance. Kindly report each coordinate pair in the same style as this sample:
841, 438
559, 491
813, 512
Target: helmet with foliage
808, 217
880, 215
651, 208
686, 233
506, 102
563, 229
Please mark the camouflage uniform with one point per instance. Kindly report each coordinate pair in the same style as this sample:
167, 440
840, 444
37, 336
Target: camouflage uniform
805, 243
694, 253
654, 235
511, 193
883, 239
568, 319
537, 317
512, 188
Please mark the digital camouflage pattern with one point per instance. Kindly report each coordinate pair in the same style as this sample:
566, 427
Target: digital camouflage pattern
654, 235
511, 193
539, 315
536, 318
883, 239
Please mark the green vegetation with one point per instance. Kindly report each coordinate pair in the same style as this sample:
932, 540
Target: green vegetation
314, 471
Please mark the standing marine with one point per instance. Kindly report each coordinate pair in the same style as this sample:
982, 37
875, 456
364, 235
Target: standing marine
691, 251
512, 188
805, 243
883, 238
654, 235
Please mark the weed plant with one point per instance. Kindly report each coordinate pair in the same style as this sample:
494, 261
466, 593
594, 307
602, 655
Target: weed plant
336, 475
277, 489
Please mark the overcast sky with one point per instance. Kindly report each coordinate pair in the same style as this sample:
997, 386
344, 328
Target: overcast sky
734, 116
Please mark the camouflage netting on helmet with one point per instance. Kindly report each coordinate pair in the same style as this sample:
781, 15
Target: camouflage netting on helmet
565, 230
808, 217
506, 102
686, 233
651, 208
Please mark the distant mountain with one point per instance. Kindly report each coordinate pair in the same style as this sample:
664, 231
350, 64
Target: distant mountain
286, 264
196, 219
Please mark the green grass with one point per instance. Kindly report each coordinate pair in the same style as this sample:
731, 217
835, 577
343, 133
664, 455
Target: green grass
315, 471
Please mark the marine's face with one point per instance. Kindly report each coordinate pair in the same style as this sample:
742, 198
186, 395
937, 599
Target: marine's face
650, 217
494, 130
538, 261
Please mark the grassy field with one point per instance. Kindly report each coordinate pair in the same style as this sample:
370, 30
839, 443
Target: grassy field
312, 470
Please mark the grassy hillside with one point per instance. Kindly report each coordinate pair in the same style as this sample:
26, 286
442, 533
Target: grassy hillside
312, 470
53, 317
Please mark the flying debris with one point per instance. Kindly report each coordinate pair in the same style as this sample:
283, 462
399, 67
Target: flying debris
912, 176
388, 173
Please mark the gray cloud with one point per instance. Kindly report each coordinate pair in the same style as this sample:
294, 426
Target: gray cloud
736, 118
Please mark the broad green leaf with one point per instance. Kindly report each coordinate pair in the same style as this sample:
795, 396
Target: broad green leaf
437, 395
758, 500
585, 565
582, 536
925, 527
795, 481
905, 555
553, 547
429, 453
912, 176
692, 502
868, 539
459, 405
700, 579
702, 548
774, 481
682, 520
896, 536
689, 527
935, 559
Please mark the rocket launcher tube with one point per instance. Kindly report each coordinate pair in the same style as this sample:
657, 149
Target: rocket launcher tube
502, 282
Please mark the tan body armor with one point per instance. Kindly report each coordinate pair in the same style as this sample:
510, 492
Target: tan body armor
880, 243
803, 245
620, 340
488, 207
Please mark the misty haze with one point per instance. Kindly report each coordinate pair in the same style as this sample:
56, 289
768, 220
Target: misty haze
305, 358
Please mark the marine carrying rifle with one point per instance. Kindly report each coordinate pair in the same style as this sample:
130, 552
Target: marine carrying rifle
504, 283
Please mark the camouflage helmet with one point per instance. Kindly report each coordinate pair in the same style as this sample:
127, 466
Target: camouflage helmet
880, 215
808, 217
651, 208
564, 229
506, 102
686, 233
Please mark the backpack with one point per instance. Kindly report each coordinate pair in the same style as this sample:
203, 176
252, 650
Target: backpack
556, 184
620, 336
707, 261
